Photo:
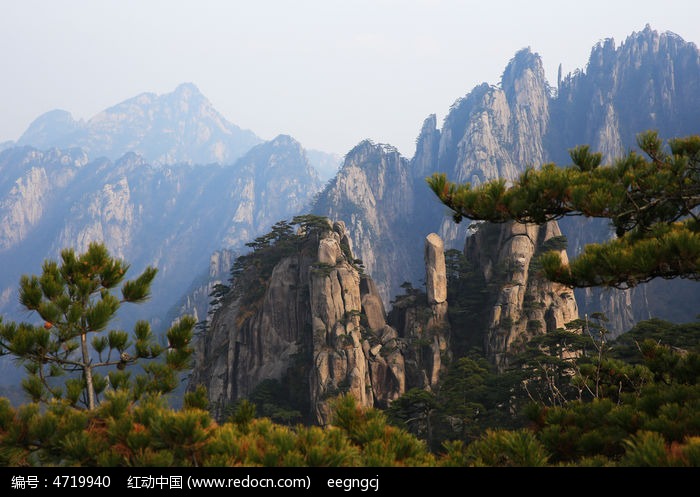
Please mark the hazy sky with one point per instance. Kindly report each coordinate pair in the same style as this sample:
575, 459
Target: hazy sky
329, 73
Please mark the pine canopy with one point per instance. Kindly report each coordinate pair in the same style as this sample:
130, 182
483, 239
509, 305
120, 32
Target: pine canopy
651, 200
75, 301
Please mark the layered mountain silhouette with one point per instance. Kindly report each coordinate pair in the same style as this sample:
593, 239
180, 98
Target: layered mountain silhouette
181, 126
166, 180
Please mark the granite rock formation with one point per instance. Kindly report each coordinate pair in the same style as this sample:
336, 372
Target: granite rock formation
318, 306
524, 303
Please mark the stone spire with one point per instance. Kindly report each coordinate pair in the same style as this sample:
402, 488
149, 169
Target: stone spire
435, 272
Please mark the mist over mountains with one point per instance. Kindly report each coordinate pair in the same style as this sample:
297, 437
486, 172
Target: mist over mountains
181, 127
169, 214
167, 181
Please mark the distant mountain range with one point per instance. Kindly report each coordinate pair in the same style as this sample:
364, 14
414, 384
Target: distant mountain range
177, 127
166, 180
132, 177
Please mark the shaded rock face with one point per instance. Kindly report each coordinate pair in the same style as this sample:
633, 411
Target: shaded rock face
650, 81
313, 310
235, 355
374, 193
525, 303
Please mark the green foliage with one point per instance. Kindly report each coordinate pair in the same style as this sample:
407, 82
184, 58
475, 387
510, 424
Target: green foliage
380, 443
555, 243
311, 224
63, 357
250, 273
654, 390
547, 251
575, 397
680, 337
501, 448
469, 298
196, 399
656, 424
415, 411
120, 433
412, 297
244, 413
471, 397
546, 364
650, 449
651, 203
322, 269
275, 400
464, 396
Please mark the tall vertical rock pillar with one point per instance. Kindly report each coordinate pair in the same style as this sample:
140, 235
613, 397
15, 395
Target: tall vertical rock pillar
435, 271
437, 329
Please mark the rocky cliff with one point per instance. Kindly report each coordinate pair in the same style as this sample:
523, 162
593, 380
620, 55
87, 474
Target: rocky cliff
316, 323
524, 303
317, 311
374, 192
422, 321
492, 132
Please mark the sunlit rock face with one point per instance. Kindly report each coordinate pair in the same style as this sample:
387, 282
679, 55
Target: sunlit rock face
524, 303
318, 304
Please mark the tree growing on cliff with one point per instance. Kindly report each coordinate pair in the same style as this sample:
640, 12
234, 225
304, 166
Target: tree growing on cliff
651, 201
76, 303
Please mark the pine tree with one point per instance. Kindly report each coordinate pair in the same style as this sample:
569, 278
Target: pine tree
76, 303
652, 203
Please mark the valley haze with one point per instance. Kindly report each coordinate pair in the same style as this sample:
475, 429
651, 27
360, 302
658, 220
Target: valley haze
328, 73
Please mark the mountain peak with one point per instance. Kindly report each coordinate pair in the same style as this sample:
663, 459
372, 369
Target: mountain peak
368, 146
523, 60
177, 127
284, 140
56, 122
188, 92
649, 37
130, 160
187, 87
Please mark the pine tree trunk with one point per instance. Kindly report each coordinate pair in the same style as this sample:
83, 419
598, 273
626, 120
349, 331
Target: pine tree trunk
88, 372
